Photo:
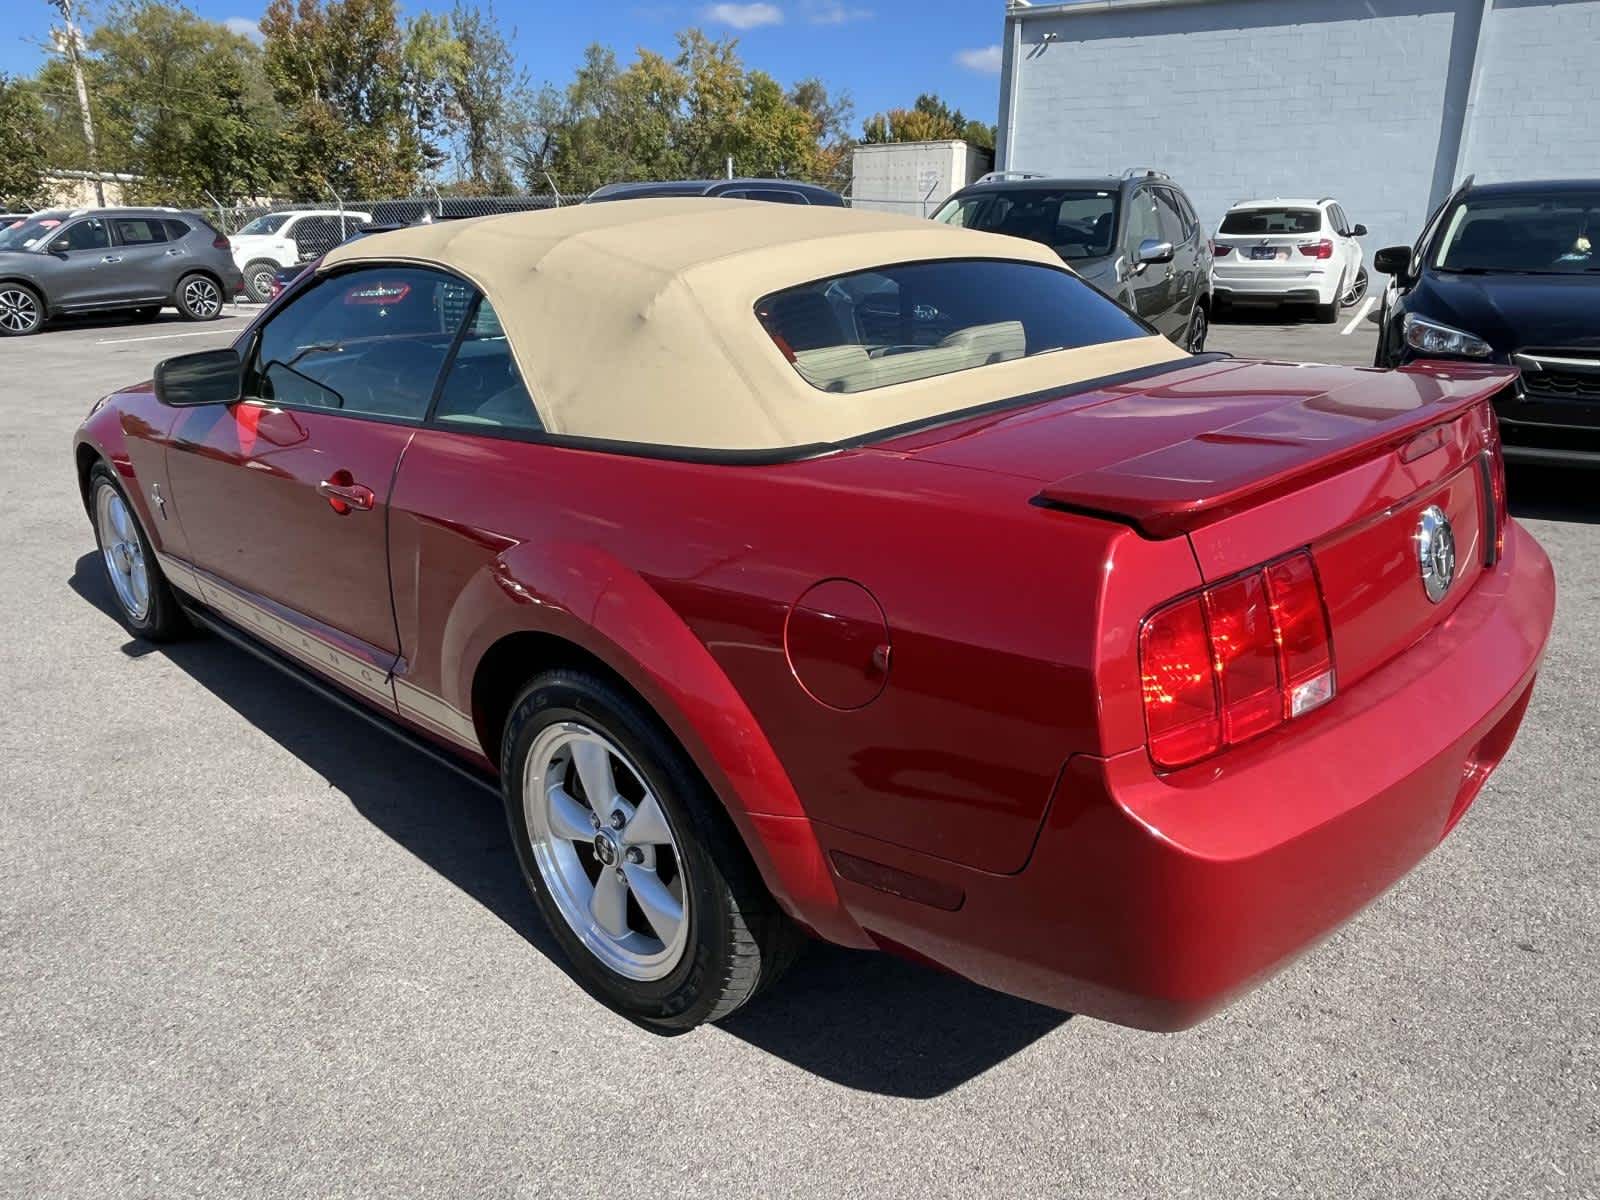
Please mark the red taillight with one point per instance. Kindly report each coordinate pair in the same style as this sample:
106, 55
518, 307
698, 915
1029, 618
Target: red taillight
1220, 251
1232, 662
220, 243
1321, 249
275, 289
1497, 482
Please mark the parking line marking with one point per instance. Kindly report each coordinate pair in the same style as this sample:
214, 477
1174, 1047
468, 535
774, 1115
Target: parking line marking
1361, 315
161, 337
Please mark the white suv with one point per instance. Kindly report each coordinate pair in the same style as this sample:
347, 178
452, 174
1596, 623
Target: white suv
282, 239
1288, 252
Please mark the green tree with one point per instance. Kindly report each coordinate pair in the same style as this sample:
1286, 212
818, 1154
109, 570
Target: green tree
486, 91
360, 94
930, 119
22, 155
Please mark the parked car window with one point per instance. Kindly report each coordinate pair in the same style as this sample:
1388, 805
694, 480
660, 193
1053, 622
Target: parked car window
1190, 217
1143, 221
1269, 222
25, 234
369, 342
315, 236
870, 329
270, 223
1550, 234
1341, 223
176, 230
89, 234
139, 231
1173, 227
775, 196
483, 386
1072, 222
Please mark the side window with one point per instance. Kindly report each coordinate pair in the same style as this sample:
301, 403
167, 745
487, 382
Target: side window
139, 231
315, 236
1173, 228
1190, 220
83, 235
1341, 223
482, 386
776, 196
176, 230
1142, 220
368, 342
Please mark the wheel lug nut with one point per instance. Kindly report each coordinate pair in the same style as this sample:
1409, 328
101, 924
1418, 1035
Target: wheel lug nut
594, 819
618, 820
635, 855
621, 876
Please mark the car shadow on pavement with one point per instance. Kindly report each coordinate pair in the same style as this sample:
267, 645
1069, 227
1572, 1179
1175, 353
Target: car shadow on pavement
1269, 314
1552, 493
867, 1021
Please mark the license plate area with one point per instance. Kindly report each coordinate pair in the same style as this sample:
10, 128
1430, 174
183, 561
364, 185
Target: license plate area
1269, 253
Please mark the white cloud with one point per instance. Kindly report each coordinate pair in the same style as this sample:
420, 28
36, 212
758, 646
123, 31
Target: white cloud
245, 27
744, 16
985, 59
834, 12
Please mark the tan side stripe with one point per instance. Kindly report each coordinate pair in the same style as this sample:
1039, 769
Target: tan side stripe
433, 712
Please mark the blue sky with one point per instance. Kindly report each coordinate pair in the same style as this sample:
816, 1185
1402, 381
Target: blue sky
882, 51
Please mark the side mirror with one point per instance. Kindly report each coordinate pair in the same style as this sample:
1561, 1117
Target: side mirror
1359, 231
1393, 260
1151, 250
190, 380
59, 247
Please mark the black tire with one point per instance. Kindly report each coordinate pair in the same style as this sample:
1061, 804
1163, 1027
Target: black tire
163, 619
1327, 314
738, 939
22, 310
198, 297
1199, 327
258, 277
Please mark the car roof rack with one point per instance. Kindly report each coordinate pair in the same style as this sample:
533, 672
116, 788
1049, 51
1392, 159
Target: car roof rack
1145, 173
1002, 176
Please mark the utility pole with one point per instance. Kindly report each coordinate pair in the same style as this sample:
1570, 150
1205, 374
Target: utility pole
69, 42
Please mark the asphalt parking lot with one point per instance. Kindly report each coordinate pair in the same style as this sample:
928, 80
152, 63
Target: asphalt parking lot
251, 948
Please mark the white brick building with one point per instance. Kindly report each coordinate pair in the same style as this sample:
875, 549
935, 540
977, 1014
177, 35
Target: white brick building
1382, 103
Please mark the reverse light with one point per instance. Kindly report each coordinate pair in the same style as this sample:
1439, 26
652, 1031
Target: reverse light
1234, 660
1318, 249
1431, 337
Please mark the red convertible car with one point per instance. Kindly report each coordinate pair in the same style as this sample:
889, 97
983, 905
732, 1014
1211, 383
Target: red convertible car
807, 571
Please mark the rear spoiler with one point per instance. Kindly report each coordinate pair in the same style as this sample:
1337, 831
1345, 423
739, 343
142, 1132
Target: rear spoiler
1213, 475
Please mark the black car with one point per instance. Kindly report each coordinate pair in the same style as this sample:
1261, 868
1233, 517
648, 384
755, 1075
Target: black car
1136, 238
1509, 273
777, 191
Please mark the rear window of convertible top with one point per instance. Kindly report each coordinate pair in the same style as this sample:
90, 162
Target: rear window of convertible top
894, 324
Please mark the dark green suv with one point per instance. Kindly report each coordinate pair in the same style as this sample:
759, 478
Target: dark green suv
1136, 238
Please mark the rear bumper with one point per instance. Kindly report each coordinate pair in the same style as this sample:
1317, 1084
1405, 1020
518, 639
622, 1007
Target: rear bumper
1297, 287
1154, 900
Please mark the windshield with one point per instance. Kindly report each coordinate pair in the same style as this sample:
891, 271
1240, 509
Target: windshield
871, 329
24, 234
1074, 222
1264, 222
270, 223
1534, 234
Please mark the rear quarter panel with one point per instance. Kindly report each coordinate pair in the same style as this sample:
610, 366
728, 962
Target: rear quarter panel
681, 576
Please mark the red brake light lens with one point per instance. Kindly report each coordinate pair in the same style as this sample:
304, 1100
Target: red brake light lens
1235, 660
1220, 251
220, 243
1318, 249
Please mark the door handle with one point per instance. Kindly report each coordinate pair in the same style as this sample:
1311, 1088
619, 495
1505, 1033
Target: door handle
111, 258
343, 496
175, 251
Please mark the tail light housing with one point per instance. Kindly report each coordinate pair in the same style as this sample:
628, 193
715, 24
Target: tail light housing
1494, 481
1220, 251
220, 242
1228, 663
1317, 249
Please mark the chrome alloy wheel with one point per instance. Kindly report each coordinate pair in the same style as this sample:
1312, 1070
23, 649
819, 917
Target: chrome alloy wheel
123, 551
19, 310
1357, 291
605, 851
202, 298
1195, 343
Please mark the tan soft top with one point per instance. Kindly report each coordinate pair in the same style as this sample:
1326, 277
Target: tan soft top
634, 320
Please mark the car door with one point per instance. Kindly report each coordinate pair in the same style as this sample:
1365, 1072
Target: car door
1177, 228
1150, 284
315, 236
284, 494
148, 270
79, 276
1351, 245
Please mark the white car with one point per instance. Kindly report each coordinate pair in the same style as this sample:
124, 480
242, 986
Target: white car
282, 239
1289, 252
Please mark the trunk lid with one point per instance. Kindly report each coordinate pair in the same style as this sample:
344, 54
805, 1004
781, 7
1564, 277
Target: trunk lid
1255, 460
